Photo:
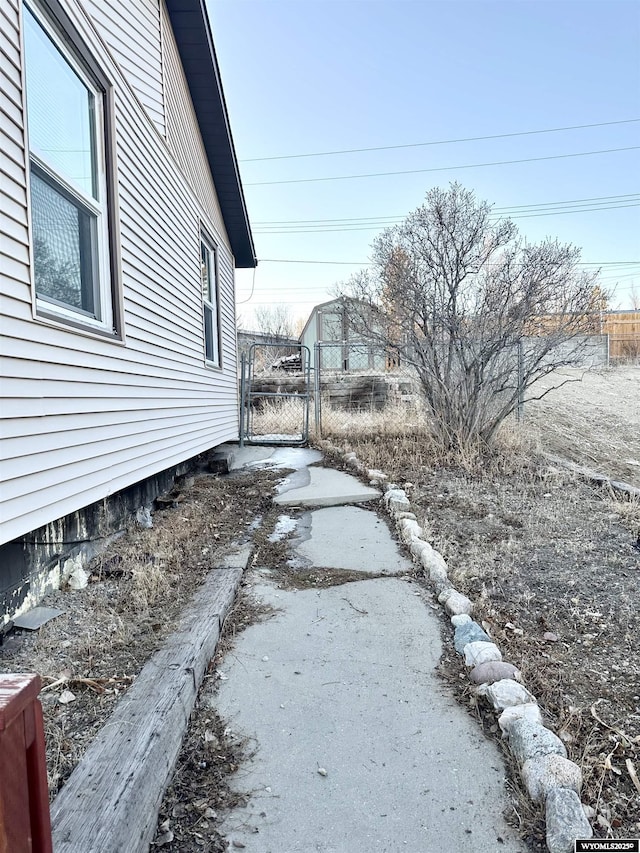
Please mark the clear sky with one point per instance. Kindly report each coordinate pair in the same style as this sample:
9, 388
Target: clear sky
315, 76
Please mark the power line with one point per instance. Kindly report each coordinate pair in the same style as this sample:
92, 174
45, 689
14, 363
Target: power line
568, 201
574, 210
437, 142
297, 302
400, 217
253, 287
355, 227
442, 168
369, 263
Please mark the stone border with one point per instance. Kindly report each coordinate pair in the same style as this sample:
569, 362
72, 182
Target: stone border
549, 777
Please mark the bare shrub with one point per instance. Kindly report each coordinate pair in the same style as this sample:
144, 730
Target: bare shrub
477, 312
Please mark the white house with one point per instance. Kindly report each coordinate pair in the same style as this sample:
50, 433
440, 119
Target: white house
122, 218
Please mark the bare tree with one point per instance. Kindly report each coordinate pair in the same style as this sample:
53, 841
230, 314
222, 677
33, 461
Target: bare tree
478, 313
275, 321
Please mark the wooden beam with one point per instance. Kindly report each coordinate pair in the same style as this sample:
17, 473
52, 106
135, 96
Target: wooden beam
110, 802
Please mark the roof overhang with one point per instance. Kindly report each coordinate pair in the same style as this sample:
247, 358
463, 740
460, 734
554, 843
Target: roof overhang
192, 31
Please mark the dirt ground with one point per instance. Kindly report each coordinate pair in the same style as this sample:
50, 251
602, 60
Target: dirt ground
593, 419
540, 550
137, 589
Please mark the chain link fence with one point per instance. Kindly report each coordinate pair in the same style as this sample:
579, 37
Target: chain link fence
360, 387
275, 394
343, 388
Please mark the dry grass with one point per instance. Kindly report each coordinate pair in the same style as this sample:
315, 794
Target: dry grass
398, 429
137, 590
396, 418
513, 448
628, 509
278, 417
149, 584
540, 551
593, 420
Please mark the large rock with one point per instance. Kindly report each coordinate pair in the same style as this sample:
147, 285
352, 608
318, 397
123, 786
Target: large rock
459, 603
487, 673
432, 560
438, 576
396, 499
439, 582
479, 652
417, 546
405, 514
504, 694
529, 711
409, 530
461, 619
531, 740
566, 820
468, 632
541, 775
446, 593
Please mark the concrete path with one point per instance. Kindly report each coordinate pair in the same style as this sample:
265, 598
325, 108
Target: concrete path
358, 746
348, 538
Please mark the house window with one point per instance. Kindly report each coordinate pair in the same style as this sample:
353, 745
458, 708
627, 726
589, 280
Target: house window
69, 217
209, 276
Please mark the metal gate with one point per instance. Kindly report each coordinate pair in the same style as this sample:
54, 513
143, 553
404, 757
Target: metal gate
275, 394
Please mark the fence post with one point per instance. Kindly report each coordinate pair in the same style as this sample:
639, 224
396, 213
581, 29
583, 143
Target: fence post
242, 391
25, 824
316, 390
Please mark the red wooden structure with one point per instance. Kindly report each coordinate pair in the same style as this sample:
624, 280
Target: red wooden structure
25, 826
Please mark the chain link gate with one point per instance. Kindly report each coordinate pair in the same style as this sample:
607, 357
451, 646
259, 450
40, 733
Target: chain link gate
275, 394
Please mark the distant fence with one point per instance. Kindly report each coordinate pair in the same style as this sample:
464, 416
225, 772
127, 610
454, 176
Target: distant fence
591, 351
623, 330
355, 378
356, 384
268, 348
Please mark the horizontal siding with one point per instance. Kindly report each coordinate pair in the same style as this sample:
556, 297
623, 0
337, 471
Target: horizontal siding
10, 170
63, 431
92, 479
10, 110
132, 31
9, 47
12, 244
14, 237
84, 416
183, 132
47, 467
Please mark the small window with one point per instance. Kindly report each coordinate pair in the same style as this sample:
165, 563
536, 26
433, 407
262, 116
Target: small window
69, 216
209, 275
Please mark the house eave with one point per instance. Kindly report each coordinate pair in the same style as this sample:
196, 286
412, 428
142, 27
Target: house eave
192, 31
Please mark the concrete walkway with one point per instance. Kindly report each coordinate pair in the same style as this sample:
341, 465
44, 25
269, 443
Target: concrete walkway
358, 745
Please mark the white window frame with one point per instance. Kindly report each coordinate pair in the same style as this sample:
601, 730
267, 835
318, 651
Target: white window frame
103, 318
211, 301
